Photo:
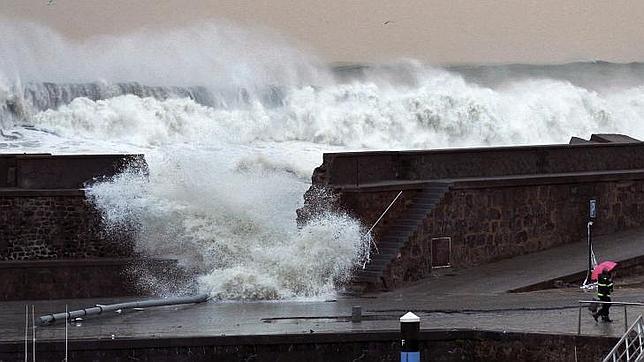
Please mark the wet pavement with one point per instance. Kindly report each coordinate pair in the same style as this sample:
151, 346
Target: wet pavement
474, 298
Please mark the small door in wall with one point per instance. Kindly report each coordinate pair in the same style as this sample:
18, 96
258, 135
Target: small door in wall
441, 252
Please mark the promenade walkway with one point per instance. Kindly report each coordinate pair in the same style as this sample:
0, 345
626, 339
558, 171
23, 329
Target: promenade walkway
474, 298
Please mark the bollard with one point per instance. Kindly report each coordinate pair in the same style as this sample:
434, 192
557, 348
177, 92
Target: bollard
356, 314
409, 334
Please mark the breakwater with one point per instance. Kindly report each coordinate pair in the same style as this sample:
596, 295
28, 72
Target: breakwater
51, 236
500, 201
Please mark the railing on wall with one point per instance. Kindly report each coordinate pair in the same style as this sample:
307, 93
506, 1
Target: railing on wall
631, 346
583, 303
368, 233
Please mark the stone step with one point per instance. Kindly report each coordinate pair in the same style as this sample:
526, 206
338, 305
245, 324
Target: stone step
425, 204
429, 196
381, 260
391, 237
378, 265
370, 273
399, 233
387, 249
417, 213
409, 220
392, 242
385, 255
403, 228
416, 209
365, 279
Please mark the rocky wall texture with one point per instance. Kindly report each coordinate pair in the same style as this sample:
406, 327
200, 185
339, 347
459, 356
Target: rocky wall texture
56, 226
88, 278
490, 223
370, 168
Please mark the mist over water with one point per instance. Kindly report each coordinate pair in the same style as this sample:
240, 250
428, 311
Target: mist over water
233, 121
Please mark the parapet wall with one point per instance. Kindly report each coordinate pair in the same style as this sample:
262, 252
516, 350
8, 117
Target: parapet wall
46, 171
364, 168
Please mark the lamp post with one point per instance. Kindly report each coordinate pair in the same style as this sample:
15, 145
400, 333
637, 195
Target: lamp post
592, 215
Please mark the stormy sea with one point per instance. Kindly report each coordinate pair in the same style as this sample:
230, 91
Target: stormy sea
233, 121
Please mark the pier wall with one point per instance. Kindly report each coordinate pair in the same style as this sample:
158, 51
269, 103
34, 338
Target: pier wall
488, 221
358, 169
501, 202
358, 346
53, 224
44, 213
47, 223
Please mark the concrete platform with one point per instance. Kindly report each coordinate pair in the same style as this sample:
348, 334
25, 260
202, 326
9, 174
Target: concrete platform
474, 299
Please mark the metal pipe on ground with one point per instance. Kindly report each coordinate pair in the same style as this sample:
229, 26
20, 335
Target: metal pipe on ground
98, 309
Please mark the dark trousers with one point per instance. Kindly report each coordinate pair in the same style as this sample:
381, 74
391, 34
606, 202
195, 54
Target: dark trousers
603, 311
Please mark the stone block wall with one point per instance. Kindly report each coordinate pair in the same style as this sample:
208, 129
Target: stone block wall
46, 171
500, 221
456, 345
503, 201
55, 225
368, 168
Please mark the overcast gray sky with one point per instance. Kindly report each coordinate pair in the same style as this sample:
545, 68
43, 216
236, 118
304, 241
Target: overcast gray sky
435, 31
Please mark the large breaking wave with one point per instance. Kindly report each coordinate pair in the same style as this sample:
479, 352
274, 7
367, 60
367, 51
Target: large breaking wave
233, 121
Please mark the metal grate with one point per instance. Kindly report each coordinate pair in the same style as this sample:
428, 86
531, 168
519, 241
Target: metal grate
630, 346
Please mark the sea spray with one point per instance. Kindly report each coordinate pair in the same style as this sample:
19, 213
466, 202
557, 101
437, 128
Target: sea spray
226, 176
235, 230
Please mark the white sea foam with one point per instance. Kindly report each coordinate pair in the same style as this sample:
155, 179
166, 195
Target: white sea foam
235, 228
225, 180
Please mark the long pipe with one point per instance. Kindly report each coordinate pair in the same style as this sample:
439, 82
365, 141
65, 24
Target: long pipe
98, 309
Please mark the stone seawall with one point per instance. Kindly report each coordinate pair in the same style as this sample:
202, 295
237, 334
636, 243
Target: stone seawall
358, 346
53, 243
502, 202
49, 224
493, 219
491, 222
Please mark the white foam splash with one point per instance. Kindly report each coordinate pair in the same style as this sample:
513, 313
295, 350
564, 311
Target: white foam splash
236, 229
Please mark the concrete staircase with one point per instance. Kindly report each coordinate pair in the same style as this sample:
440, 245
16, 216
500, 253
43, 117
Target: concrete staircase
398, 234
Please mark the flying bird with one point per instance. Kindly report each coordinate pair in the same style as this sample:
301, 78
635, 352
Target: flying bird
387, 22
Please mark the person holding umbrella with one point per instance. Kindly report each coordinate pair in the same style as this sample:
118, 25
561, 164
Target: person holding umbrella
602, 273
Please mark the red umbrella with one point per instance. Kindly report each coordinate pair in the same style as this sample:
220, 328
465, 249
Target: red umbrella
605, 265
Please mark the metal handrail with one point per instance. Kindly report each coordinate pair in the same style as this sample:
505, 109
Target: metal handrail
625, 304
637, 342
368, 233
386, 210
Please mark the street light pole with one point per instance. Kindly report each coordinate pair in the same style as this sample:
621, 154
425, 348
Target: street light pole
592, 215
